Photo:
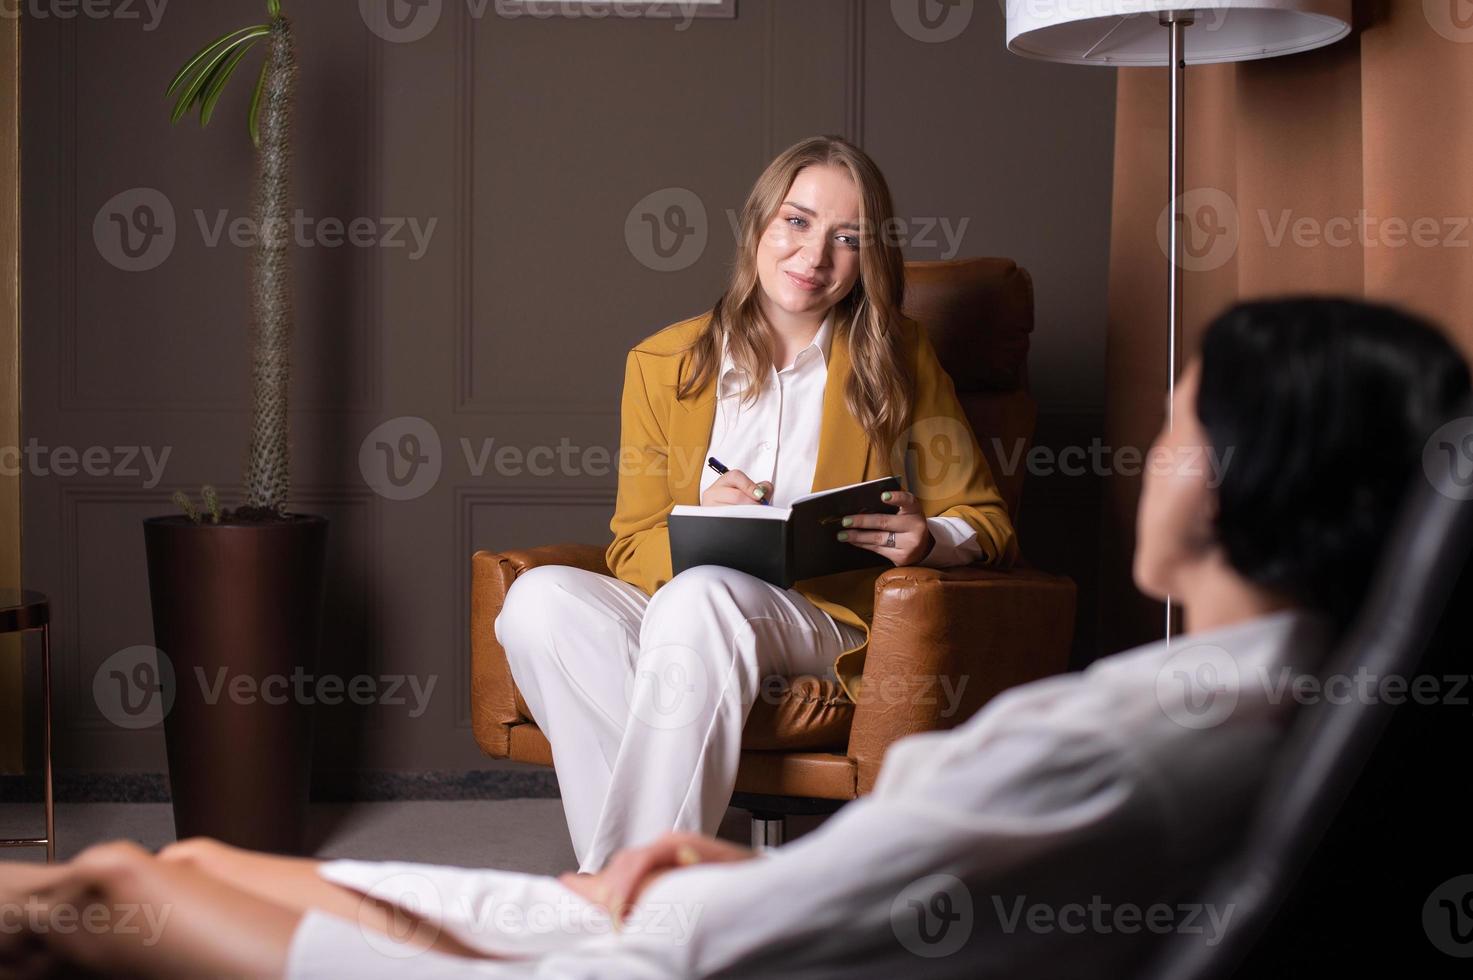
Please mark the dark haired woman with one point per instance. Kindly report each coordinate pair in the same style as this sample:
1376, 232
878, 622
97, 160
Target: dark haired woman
1053, 834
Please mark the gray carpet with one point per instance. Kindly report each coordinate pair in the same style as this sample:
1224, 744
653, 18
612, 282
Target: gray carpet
514, 835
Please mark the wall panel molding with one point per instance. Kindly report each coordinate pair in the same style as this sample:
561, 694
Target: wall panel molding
467, 500
854, 72
469, 396
367, 271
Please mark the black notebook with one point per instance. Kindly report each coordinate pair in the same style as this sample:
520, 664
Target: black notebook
779, 544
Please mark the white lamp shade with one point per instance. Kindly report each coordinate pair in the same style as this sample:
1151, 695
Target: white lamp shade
1128, 33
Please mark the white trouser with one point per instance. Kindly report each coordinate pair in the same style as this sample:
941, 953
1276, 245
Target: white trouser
644, 699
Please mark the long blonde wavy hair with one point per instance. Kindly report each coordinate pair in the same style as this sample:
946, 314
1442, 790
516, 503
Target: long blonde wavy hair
880, 388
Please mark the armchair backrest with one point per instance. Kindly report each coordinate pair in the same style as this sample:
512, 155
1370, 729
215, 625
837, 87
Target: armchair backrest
979, 314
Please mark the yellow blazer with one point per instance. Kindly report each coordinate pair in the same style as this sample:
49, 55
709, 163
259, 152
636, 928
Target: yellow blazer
663, 443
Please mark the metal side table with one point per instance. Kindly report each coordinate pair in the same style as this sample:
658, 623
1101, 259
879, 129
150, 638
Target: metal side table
20, 612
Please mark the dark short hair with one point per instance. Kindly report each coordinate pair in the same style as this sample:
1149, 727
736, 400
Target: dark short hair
1326, 405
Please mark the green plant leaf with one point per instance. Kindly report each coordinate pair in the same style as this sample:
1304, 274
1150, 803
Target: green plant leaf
202, 55
273, 7
196, 87
212, 92
254, 121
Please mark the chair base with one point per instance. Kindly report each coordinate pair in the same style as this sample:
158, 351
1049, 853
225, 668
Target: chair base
768, 831
769, 814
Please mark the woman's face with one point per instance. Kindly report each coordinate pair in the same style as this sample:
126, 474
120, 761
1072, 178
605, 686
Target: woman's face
1174, 521
808, 256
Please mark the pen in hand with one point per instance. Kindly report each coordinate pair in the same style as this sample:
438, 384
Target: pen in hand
721, 468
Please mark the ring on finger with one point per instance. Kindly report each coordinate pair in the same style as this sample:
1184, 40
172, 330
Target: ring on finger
890, 540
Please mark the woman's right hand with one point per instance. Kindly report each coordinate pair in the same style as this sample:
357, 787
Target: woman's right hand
735, 487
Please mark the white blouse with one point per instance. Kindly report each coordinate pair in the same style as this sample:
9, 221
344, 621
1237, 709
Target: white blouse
776, 439
1058, 832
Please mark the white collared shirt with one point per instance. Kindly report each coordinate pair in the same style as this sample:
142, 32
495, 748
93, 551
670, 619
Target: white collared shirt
775, 438
1040, 837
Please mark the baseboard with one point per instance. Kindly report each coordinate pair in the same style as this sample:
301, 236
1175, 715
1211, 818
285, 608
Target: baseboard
327, 787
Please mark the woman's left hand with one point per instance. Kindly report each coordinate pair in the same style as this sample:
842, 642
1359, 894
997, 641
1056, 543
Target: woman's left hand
618, 886
912, 536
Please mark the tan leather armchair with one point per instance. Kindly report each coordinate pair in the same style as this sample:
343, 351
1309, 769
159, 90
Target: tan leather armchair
942, 642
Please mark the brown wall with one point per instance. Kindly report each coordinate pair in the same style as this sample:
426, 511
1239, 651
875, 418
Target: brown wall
535, 145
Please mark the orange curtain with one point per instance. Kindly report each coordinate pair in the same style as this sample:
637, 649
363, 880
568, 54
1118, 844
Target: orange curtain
1347, 170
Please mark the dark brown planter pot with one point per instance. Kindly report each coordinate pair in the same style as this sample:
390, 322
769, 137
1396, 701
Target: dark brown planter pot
235, 601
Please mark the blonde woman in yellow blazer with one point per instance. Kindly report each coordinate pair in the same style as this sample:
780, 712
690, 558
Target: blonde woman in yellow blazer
643, 680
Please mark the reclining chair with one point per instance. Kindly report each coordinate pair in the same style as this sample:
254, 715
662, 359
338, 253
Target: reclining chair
1362, 829
813, 749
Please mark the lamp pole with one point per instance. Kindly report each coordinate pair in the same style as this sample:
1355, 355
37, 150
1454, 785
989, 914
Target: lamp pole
1176, 23
1118, 33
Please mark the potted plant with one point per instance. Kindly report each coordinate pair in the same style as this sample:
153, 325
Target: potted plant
237, 593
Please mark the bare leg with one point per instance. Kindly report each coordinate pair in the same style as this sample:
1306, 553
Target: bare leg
118, 910
295, 884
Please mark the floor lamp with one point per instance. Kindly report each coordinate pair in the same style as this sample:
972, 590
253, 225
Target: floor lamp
1164, 33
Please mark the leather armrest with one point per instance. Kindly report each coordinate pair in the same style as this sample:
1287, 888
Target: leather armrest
586, 556
945, 641
493, 694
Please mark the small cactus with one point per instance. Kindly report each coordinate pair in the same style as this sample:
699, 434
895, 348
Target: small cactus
212, 503
182, 499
